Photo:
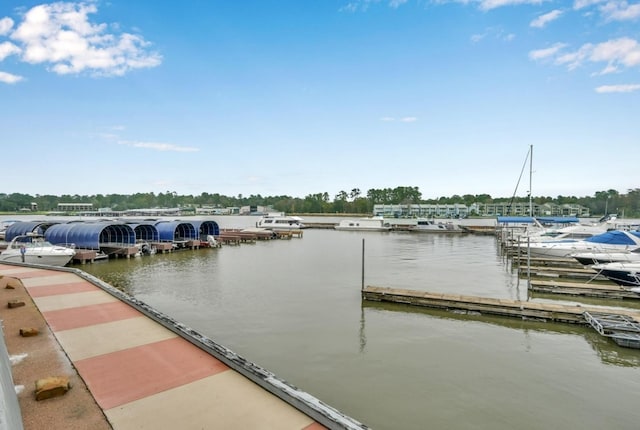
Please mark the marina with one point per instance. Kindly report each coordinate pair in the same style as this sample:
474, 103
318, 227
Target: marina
148, 362
296, 307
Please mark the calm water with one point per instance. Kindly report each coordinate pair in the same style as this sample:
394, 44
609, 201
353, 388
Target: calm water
294, 308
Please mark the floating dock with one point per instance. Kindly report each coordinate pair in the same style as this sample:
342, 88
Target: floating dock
607, 290
574, 314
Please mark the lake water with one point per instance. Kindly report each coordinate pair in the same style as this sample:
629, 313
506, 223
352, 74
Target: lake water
294, 308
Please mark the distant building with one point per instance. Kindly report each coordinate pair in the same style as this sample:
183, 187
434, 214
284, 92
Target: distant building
422, 211
213, 210
256, 210
74, 207
459, 210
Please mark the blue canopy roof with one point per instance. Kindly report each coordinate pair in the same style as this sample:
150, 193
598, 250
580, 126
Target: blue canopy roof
20, 228
145, 231
204, 228
542, 220
92, 235
558, 219
616, 237
171, 231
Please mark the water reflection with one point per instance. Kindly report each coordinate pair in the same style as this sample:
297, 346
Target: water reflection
608, 351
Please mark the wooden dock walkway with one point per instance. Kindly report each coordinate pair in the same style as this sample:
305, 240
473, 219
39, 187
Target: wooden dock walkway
142, 369
509, 308
605, 289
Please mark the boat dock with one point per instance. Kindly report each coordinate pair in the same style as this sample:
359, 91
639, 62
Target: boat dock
115, 362
573, 314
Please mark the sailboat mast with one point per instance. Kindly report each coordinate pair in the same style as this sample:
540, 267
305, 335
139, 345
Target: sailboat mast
530, 180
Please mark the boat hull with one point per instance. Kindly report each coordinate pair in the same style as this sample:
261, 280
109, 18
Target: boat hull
49, 260
347, 228
364, 224
622, 277
589, 258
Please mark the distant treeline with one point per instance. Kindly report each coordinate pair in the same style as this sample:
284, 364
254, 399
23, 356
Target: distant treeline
352, 201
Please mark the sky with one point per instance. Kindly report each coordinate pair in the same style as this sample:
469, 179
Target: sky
293, 97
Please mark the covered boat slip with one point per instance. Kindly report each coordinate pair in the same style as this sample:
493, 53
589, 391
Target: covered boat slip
20, 228
120, 237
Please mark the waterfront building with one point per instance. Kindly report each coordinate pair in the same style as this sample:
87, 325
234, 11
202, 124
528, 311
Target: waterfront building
459, 210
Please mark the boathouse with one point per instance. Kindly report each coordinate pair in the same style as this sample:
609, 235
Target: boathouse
145, 232
102, 235
206, 228
176, 231
24, 227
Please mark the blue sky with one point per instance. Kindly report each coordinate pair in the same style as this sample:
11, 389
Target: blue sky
302, 97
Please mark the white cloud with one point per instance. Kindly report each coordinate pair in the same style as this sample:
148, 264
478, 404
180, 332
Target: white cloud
575, 59
475, 38
397, 3
8, 78
545, 19
363, 5
387, 119
541, 54
156, 146
6, 24
495, 33
409, 119
581, 4
620, 11
494, 4
8, 48
617, 54
625, 88
62, 35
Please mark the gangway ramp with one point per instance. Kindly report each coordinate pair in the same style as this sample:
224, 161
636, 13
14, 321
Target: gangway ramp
624, 330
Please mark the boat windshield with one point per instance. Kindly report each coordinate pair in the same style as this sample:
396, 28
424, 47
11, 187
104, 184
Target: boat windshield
30, 242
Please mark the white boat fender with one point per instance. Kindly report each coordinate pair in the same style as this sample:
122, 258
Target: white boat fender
211, 240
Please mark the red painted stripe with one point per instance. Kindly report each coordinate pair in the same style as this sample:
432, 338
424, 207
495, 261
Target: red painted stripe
314, 426
124, 376
83, 316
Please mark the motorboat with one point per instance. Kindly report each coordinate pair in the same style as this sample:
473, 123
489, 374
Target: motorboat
280, 222
364, 224
432, 226
625, 274
594, 257
35, 249
548, 229
610, 241
577, 231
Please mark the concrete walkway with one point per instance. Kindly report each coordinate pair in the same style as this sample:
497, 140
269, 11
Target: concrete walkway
145, 371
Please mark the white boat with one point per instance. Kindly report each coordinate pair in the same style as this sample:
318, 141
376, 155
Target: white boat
523, 230
611, 241
625, 274
364, 224
280, 222
431, 226
35, 249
